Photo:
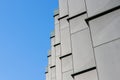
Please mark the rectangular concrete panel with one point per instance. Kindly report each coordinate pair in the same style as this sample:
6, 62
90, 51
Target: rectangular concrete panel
57, 50
52, 52
53, 71
49, 60
58, 69
78, 23
64, 23
97, 6
49, 70
57, 33
83, 57
108, 58
91, 75
67, 75
47, 76
53, 56
52, 42
105, 28
76, 7
67, 63
65, 41
56, 19
63, 7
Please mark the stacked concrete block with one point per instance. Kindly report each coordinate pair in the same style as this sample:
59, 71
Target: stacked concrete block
86, 41
53, 58
57, 46
82, 50
48, 70
104, 18
66, 54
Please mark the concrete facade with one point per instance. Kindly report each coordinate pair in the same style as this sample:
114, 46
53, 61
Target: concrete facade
85, 44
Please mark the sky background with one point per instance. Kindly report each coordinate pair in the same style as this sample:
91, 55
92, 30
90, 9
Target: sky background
25, 27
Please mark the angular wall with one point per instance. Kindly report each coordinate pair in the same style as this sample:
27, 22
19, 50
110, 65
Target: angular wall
86, 42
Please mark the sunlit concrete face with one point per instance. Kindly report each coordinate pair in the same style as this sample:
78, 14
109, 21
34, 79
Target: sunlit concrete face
53, 73
86, 44
65, 41
83, 57
49, 72
53, 55
105, 28
78, 23
76, 7
57, 51
52, 48
91, 75
57, 33
58, 69
63, 7
67, 75
63, 23
97, 6
65, 36
67, 63
56, 21
57, 29
107, 58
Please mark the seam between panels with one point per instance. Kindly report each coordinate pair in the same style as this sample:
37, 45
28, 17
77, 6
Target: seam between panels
91, 18
107, 42
60, 50
71, 47
83, 71
70, 40
86, 7
93, 51
79, 31
67, 71
90, 34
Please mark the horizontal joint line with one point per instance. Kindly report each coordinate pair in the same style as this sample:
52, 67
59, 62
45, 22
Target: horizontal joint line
81, 72
52, 37
56, 44
52, 66
62, 17
77, 15
65, 55
102, 13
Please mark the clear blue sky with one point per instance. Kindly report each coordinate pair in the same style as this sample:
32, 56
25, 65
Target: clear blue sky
25, 27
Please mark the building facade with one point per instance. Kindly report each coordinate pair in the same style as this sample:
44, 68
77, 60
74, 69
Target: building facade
85, 44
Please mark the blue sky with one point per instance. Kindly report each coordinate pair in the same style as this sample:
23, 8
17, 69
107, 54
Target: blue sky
25, 27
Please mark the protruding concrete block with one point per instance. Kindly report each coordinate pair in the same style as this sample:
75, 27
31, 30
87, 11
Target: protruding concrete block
67, 63
78, 23
63, 7
76, 7
105, 28
83, 57
107, 59
65, 41
91, 75
67, 75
